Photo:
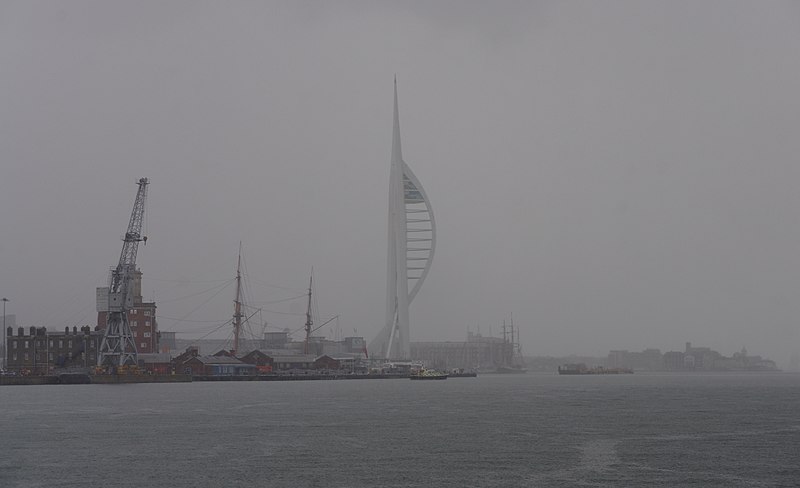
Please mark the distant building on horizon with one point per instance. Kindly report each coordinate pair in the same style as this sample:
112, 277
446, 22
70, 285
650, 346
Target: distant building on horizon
691, 359
476, 352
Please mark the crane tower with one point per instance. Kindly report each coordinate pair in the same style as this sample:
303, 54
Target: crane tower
118, 347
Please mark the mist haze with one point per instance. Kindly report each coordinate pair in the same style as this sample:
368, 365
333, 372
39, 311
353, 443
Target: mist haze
618, 175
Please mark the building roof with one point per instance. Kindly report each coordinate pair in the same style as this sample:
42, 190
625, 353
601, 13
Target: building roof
256, 354
210, 360
296, 358
161, 357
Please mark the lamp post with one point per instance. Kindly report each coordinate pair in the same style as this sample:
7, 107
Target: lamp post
5, 352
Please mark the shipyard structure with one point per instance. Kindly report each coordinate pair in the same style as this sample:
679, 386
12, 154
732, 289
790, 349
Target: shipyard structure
141, 317
37, 350
126, 338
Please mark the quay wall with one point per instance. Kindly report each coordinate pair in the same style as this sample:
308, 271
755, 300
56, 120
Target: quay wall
298, 377
83, 379
144, 378
29, 380
74, 379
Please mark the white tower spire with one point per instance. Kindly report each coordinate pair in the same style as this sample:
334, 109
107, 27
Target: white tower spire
411, 242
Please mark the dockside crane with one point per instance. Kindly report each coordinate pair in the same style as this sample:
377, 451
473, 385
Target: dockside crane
118, 347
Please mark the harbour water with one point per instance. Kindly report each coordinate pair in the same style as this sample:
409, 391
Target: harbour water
709, 430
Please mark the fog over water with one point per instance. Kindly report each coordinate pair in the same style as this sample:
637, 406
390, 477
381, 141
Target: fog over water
618, 175
724, 430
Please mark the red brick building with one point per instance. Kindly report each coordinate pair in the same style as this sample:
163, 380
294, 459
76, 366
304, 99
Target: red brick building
159, 363
42, 351
326, 362
215, 366
262, 362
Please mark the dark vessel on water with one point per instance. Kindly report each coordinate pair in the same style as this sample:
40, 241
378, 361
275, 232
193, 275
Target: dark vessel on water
461, 373
428, 374
510, 370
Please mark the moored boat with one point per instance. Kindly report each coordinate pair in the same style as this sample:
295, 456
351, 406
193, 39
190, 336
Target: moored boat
428, 374
461, 373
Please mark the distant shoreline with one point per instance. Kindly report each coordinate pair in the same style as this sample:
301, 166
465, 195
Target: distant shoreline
85, 379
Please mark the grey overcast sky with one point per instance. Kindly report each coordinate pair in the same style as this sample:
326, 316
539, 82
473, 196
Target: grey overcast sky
615, 174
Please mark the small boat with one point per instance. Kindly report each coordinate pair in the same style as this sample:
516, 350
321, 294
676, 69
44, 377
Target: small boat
460, 373
428, 374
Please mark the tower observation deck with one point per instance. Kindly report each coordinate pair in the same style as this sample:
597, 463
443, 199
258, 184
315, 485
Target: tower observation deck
411, 243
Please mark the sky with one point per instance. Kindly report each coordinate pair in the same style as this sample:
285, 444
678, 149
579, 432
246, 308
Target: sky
615, 175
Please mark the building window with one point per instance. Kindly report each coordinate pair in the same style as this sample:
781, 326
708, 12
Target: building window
50, 356
91, 344
69, 343
147, 313
26, 345
26, 356
61, 344
147, 334
133, 323
147, 323
135, 334
14, 356
143, 345
14, 345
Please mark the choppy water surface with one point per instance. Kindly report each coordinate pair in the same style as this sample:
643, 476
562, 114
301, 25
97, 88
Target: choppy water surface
723, 430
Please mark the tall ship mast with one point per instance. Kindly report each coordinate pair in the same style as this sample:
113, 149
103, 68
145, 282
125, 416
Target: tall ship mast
512, 351
237, 305
309, 319
309, 328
